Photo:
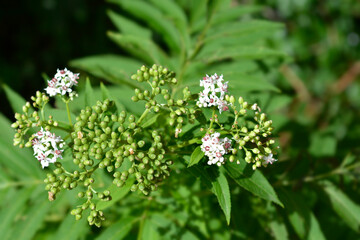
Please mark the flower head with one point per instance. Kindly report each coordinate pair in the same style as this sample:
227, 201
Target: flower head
47, 147
215, 148
62, 83
214, 92
269, 159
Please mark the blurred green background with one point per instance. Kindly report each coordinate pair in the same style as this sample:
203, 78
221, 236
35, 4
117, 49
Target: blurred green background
43, 35
318, 123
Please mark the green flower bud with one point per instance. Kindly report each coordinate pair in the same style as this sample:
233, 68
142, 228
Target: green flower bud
134, 98
255, 150
133, 188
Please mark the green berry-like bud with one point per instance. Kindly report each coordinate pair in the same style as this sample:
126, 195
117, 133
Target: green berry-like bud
131, 118
134, 98
133, 188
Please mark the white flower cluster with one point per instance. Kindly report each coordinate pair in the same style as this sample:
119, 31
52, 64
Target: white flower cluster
269, 159
47, 147
215, 148
62, 83
213, 93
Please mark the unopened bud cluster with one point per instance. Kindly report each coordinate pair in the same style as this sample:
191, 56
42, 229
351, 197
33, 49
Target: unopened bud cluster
160, 79
30, 118
253, 139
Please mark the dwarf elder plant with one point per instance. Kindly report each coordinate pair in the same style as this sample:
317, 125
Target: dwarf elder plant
137, 152
180, 122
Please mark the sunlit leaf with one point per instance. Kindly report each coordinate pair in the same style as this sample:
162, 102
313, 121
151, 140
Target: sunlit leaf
196, 156
127, 26
253, 181
118, 230
116, 194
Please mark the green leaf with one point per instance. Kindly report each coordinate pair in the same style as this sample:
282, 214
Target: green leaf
20, 162
301, 218
141, 48
32, 221
174, 12
116, 194
243, 28
8, 214
105, 93
16, 101
220, 187
246, 83
279, 230
348, 210
213, 53
253, 181
71, 228
118, 230
148, 230
322, 144
113, 68
154, 18
89, 94
234, 13
128, 26
150, 120
198, 11
218, 184
196, 156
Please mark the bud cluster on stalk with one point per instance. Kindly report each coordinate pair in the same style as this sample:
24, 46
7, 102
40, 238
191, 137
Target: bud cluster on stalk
159, 96
252, 137
30, 118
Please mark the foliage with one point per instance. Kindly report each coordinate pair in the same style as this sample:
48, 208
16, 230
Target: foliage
314, 183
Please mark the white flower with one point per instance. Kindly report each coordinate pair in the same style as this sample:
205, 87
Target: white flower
47, 147
255, 107
269, 159
215, 148
62, 83
213, 93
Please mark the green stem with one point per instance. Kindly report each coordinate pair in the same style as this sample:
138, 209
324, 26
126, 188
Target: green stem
143, 115
63, 128
187, 143
68, 112
337, 171
212, 118
42, 113
143, 218
22, 183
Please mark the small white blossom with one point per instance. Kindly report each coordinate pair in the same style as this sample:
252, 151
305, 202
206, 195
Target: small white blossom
269, 159
62, 83
255, 107
214, 92
47, 147
215, 148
